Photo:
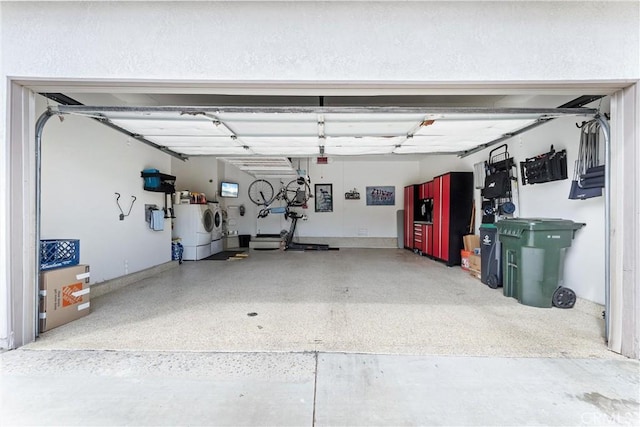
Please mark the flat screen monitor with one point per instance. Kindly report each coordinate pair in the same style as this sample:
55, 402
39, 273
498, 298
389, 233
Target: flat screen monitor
228, 189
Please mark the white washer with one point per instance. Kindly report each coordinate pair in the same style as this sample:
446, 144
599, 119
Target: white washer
193, 225
216, 232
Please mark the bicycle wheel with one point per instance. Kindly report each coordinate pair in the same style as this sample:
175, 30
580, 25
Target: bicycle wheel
297, 194
261, 192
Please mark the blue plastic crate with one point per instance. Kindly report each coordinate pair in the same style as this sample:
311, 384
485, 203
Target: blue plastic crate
152, 181
55, 253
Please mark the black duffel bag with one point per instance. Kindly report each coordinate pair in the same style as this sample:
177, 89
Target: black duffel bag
496, 185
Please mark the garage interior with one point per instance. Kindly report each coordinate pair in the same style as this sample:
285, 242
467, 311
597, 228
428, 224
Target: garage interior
368, 297
370, 334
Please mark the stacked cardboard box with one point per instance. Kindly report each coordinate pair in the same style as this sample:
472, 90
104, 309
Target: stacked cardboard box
64, 296
472, 252
475, 265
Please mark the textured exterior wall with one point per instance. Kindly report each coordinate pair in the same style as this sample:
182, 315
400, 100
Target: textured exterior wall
395, 41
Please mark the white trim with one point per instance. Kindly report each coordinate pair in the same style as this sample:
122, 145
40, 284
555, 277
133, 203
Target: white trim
324, 88
20, 285
624, 331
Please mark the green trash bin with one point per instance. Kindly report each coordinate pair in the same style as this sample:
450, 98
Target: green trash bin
533, 251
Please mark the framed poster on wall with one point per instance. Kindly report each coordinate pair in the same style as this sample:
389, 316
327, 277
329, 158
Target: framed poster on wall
324, 197
381, 196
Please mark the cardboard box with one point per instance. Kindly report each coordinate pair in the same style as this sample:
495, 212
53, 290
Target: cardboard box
471, 241
464, 259
64, 296
476, 274
474, 262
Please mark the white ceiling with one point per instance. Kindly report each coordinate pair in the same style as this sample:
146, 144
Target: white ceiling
271, 129
309, 134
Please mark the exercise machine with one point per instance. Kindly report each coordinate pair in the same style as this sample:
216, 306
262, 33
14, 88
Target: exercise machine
290, 245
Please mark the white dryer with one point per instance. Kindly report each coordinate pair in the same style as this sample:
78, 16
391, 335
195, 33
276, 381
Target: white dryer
193, 225
216, 232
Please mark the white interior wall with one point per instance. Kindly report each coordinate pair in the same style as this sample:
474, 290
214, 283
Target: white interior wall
350, 218
234, 223
584, 264
353, 218
432, 166
84, 164
197, 174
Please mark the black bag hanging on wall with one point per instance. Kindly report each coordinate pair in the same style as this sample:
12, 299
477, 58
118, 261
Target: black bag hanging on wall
496, 185
551, 166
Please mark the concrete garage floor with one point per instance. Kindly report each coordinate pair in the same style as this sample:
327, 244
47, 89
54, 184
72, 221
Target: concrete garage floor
352, 300
179, 349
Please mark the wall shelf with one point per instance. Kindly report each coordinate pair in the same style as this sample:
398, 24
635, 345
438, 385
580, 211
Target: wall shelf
166, 182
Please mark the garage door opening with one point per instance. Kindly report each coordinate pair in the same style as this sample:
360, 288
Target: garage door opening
425, 164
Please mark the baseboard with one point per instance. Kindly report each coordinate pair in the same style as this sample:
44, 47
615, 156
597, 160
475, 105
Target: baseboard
353, 242
120, 282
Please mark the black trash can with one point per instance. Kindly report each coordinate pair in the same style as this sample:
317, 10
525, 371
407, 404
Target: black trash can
243, 240
491, 273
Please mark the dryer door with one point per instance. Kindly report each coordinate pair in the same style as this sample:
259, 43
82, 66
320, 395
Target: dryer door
217, 220
207, 220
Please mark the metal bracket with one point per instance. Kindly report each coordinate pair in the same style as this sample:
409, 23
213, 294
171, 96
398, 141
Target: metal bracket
122, 214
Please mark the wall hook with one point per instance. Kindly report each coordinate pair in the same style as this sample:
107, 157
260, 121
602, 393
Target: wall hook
122, 215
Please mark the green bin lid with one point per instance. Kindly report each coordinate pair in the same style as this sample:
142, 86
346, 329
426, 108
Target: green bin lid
488, 226
539, 224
